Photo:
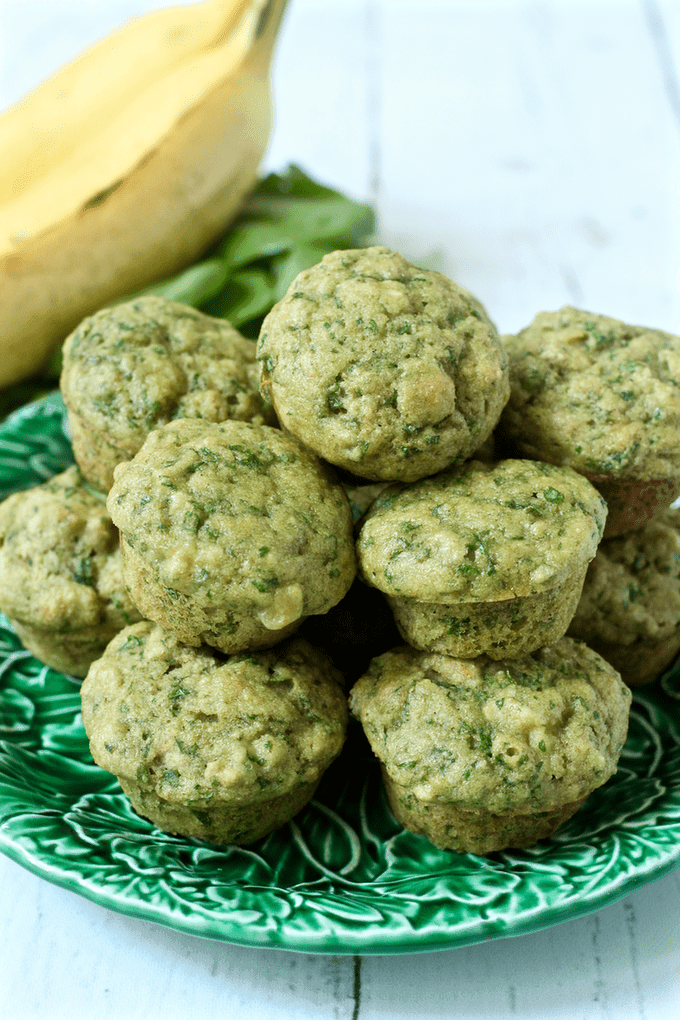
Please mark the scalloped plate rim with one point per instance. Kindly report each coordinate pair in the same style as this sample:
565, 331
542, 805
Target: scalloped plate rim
344, 940
438, 941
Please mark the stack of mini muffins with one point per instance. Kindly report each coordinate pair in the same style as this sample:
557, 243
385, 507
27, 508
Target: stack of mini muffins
236, 538
603, 397
490, 726
230, 533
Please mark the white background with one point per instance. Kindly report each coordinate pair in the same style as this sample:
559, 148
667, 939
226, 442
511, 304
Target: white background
531, 150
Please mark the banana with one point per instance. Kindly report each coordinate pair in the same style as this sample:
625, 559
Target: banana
126, 164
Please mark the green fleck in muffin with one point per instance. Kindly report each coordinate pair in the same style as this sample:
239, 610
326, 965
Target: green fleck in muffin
231, 533
133, 367
602, 397
483, 558
387, 370
223, 749
62, 582
480, 755
630, 607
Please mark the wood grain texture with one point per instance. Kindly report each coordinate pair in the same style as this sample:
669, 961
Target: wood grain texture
528, 150
69, 959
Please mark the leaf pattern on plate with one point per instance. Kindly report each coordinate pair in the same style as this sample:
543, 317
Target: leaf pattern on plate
343, 876
34, 445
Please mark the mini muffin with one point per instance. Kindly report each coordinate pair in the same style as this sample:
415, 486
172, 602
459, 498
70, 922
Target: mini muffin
387, 370
630, 607
483, 558
231, 533
602, 397
133, 367
224, 749
62, 583
479, 755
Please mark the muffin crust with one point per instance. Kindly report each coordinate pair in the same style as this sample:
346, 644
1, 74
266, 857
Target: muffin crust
62, 582
629, 610
496, 742
231, 533
596, 394
133, 367
225, 749
387, 370
481, 532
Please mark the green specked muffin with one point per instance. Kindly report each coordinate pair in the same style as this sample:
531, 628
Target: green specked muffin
62, 583
133, 367
630, 607
480, 755
387, 370
483, 558
602, 397
223, 749
497, 629
231, 533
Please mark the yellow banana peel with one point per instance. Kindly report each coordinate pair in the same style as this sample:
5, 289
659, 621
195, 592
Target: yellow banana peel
126, 164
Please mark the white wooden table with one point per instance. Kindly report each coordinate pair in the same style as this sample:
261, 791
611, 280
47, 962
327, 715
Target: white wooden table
531, 150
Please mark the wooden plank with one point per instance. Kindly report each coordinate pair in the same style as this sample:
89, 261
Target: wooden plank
322, 101
529, 151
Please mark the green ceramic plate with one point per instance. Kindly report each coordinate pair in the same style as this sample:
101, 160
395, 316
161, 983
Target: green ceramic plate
343, 877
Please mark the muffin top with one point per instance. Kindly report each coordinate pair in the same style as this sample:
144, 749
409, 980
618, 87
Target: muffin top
632, 588
595, 394
135, 366
515, 735
237, 515
481, 532
60, 558
390, 371
193, 725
